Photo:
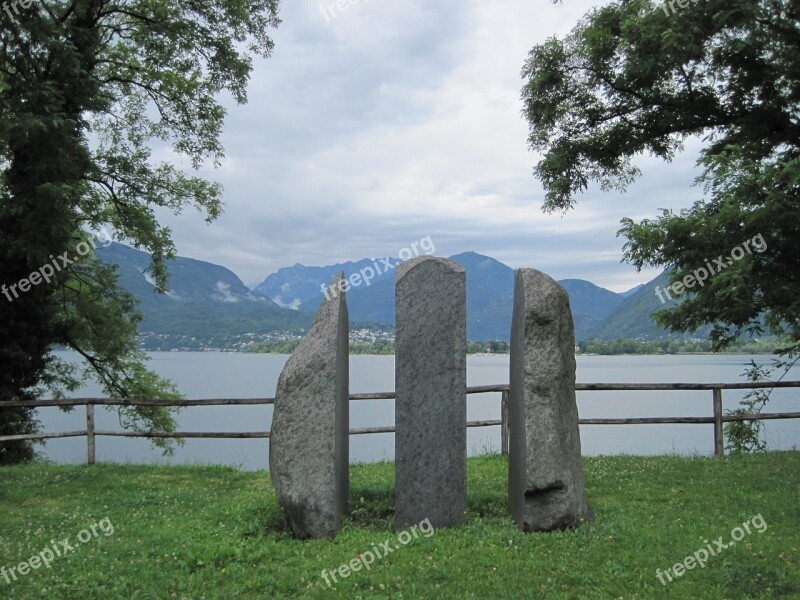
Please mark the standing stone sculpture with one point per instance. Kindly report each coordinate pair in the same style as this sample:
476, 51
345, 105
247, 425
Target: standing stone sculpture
545, 478
430, 384
309, 442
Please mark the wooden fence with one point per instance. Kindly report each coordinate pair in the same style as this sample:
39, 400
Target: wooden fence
718, 418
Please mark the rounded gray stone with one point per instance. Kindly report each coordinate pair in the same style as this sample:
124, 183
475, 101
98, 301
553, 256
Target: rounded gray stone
545, 477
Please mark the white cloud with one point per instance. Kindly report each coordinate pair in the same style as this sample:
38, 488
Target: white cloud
393, 121
224, 293
293, 305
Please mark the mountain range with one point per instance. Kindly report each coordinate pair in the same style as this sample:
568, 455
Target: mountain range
204, 300
208, 301
490, 294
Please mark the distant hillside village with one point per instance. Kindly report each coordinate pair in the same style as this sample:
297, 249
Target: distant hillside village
276, 342
381, 342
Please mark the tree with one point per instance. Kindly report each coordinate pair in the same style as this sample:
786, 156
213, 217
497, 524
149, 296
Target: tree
637, 76
88, 89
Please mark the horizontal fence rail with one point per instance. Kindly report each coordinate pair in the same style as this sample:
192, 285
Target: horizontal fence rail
718, 419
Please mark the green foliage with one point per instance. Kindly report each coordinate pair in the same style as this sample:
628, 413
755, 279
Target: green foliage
378, 347
747, 435
630, 79
17, 421
492, 347
383, 347
218, 532
87, 90
673, 346
274, 347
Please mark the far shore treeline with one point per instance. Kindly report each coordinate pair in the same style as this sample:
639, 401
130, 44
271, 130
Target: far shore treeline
380, 347
600, 347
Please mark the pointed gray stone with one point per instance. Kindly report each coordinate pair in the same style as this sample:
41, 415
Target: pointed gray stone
430, 383
545, 476
309, 442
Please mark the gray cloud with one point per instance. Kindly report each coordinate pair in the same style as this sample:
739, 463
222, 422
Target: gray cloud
393, 121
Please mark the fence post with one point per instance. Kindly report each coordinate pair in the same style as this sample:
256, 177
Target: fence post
90, 433
719, 448
504, 425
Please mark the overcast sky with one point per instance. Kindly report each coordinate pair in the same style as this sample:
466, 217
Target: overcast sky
374, 127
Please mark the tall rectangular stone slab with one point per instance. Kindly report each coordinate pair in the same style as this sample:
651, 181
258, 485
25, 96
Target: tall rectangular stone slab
309, 442
545, 475
430, 383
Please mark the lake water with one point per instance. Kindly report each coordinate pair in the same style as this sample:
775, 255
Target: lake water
229, 375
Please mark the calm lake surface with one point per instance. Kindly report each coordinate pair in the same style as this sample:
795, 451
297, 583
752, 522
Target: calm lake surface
229, 375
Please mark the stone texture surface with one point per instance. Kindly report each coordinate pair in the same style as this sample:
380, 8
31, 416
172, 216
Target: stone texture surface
309, 443
430, 382
545, 482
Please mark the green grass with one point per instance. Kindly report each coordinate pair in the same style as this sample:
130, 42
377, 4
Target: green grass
214, 532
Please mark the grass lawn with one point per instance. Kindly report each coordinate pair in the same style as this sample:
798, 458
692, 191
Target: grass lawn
214, 532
